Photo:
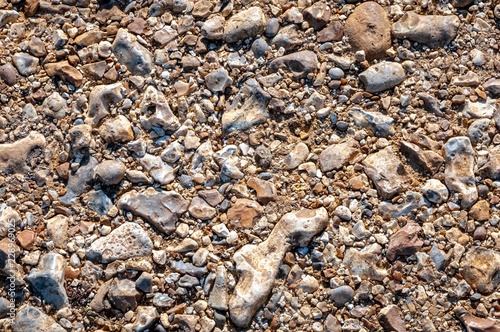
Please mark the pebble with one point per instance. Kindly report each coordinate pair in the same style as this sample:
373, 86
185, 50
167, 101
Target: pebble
30, 319
479, 269
123, 295
25, 64
297, 156
218, 80
110, 172
298, 64
8, 74
390, 319
245, 24
338, 155
201, 209
404, 242
341, 295
435, 191
129, 52
382, 76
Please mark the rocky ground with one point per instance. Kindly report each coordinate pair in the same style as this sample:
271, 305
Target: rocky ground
238, 165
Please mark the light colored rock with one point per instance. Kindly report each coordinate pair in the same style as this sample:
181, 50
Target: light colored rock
387, 173
218, 297
116, 130
213, 28
298, 64
159, 170
244, 213
127, 241
218, 80
459, 169
101, 98
57, 229
9, 218
16, 154
133, 55
55, 106
480, 109
146, 316
369, 29
65, 72
492, 85
492, 167
25, 64
410, 202
427, 160
47, 281
381, 125
29, 319
110, 172
480, 267
431, 30
201, 210
8, 16
258, 265
382, 76
338, 155
155, 111
365, 262
435, 191
123, 295
265, 190
297, 156
245, 24
160, 208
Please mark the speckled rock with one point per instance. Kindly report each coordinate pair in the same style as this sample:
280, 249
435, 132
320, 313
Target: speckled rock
18, 153
298, 64
338, 155
132, 54
245, 24
480, 267
110, 172
382, 76
29, 319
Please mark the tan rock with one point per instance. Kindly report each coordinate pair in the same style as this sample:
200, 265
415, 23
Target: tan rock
244, 213
65, 72
266, 191
480, 211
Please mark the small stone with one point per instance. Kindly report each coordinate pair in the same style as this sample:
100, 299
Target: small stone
57, 230
265, 190
492, 85
381, 125
8, 16
65, 72
369, 29
26, 238
29, 319
47, 281
79, 181
427, 160
382, 76
343, 213
101, 98
364, 262
218, 80
55, 106
405, 242
244, 213
165, 35
298, 64
218, 298
318, 15
213, 28
156, 112
26, 64
110, 172
338, 155
390, 319
127, 241
201, 210
146, 317
481, 109
341, 295
474, 323
297, 156
480, 211
8, 74
123, 295
480, 269
116, 130
435, 191
133, 55
431, 30
246, 24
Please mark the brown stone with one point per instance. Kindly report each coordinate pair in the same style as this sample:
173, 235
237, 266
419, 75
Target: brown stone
244, 213
65, 72
480, 211
390, 319
26, 238
405, 242
266, 191
369, 29
332, 32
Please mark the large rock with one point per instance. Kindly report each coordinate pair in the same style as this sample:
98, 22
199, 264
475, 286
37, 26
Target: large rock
79, 181
133, 55
481, 267
387, 173
101, 98
338, 155
160, 208
459, 169
156, 112
381, 125
431, 30
258, 265
245, 24
298, 64
382, 76
244, 213
477, 324
123, 295
127, 241
427, 160
47, 281
404, 242
14, 156
248, 108
365, 262
369, 29
30, 319
390, 319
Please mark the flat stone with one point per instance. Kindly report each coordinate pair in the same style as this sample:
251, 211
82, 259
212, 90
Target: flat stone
213, 28
47, 281
459, 169
435, 191
381, 125
17, 154
65, 72
474, 323
427, 160
338, 155
390, 319
492, 85
244, 213
245, 24
258, 265
265, 190
387, 173
218, 80
8, 16
297, 156
99, 202
410, 202
26, 64
480, 269
480, 211
157, 168
123, 295
101, 98
492, 167
116, 130
200, 209
480, 109
160, 208
126, 241
248, 108
57, 230
432, 30
341, 295
79, 181
365, 262
369, 29
146, 317
156, 111
287, 37
8, 218
110, 172
298, 64
55, 106
334, 31
218, 297
382, 76
133, 55
404, 242
8, 74
95, 70
29, 319
318, 15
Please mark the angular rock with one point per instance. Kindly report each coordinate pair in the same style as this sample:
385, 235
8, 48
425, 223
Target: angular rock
29, 319
297, 156
390, 319
480, 109
123, 295
480, 211
8, 218
411, 202
382, 76
338, 155
287, 37
258, 265
318, 15
200, 209
57, 230
55, 106
246, 24
265, 190
430, 103
110, 172
47, 281
160, 208
146, 317
405, 242
387, 173
218, 297
116, 130
479, 131
334, 31
15, 156
432, 30
248, 108
133, 55
156, 111
127, 241
435, 191
298, 64
427, 160
470, 79
364, 262
369, 29
378, 123
79, 181
218, 80
65, 72
159, 170
244, 213
95, 70
481, 269
8, 16
492, 167
99, 202
459, 169
26, 64
477, 324
341, 295
492, 85
101, 98
213, 28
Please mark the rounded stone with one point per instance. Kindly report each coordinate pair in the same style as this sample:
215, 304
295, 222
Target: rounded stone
110, 172
336, 73
341, 295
